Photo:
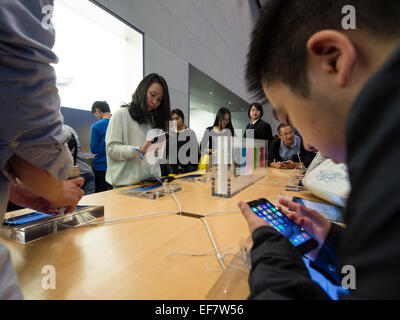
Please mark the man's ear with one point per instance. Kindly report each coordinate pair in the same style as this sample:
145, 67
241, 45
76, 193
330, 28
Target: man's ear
334, 53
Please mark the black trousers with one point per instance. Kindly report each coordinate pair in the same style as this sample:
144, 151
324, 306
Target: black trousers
100, 181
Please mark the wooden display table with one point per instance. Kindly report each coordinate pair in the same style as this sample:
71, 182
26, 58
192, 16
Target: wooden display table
130, 260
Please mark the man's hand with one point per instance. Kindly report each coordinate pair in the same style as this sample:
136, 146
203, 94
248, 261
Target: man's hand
312, 221
289, 164
283, 165
70, 195
252, 219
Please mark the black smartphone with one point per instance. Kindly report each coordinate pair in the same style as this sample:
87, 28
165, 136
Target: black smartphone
301, 239
160, 138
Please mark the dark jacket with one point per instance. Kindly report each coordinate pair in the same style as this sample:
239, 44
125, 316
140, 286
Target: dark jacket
370, 242
273, 153
262, 130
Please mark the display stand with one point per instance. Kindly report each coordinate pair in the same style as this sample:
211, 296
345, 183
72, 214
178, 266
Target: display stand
160, 191
30, 231
237, 164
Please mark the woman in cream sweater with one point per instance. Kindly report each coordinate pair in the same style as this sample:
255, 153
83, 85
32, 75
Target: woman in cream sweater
127, 139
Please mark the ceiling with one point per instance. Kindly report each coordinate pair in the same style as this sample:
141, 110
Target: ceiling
209, 95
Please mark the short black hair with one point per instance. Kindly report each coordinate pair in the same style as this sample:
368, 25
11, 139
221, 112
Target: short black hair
101, 105
138, 109
278, 46
258, 106
283, 125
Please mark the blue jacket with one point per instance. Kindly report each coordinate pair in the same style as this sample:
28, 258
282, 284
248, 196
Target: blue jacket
98, 144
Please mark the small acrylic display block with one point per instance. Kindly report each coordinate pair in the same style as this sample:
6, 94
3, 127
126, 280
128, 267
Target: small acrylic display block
237, 164
234, 184
41, 228
159, 192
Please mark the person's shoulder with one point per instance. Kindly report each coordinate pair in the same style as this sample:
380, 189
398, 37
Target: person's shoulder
275, 141
191, 131
264, 123
120, 111
104, 122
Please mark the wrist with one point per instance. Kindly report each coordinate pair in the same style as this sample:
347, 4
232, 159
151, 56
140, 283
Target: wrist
139, 152
55, 194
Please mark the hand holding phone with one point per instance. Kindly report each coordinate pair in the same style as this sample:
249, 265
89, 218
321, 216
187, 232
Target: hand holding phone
289, 164
278, 220
160, 138
312, 221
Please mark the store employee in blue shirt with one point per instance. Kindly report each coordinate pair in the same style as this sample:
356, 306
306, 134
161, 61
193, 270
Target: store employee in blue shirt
101, 111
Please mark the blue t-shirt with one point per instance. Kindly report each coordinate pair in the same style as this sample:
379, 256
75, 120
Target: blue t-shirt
98, 144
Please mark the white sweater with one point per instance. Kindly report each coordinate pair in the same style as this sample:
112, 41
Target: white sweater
123, 164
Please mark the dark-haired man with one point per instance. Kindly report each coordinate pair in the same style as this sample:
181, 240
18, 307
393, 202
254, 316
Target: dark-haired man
288, 151
340, 88
101, 111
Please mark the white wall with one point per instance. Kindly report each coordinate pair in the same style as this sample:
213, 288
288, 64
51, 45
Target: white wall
206, 119
269, 117
212, 35
240, 120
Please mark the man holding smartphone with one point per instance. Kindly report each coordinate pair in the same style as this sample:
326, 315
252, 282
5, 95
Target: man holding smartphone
287, 151
340, 88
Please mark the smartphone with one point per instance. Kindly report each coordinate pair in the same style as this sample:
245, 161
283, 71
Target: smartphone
297, 236
329, 211
160, 138
26, 218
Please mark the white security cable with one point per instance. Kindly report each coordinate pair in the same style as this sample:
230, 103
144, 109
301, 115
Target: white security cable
213, 242
164, 185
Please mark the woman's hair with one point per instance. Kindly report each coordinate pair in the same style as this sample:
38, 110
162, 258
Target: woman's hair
220, 116
258, 106
179, 113
138, 109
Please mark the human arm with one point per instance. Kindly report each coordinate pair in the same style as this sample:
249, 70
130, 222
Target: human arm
59, 194
328, 235
278, 270
31, 127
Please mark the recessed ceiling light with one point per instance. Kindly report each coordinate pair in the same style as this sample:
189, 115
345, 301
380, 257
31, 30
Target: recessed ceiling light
211, 92
230, 102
